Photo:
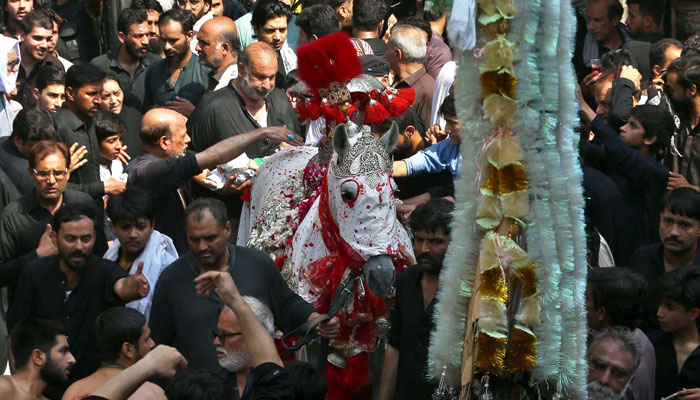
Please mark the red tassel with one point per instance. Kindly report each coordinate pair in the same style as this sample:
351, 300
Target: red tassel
375, 113
313, 110
342, 383
333, 113
302, 111
398, 102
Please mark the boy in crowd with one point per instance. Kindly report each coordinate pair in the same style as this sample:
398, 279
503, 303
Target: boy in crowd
138, 244
677, 344
50, 90
109, 129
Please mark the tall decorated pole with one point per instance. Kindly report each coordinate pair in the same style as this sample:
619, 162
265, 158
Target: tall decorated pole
510, 319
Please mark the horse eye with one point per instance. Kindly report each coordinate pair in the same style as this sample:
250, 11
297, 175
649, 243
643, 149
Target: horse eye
349, 190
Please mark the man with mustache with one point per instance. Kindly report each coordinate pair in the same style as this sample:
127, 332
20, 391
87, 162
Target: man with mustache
218, 48
83, 100
270, 22
74, 286
129, 60
179, 81
613, 359
249, 102
42, 358
679, 229
14, 12
406, 357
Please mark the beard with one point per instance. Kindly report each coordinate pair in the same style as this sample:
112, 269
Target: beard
428, 263
52, 374
598, 391
134, 51
253, 92
235, 362
155, 46
178, 55
79, 265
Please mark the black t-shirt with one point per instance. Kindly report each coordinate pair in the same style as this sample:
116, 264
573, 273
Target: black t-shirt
42, 293
183, 319
668, 379
411, 325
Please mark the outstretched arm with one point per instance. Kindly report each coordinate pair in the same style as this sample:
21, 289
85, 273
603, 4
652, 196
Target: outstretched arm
232, 147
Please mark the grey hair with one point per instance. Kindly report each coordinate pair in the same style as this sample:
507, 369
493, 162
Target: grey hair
625, 340
413, 47
233, 42
262, 312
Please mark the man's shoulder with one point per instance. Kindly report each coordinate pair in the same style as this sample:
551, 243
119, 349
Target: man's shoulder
75, 196
176, 270
409, 274
7, 388
253, 256
39, 266
102, 62
645, 257
648, 250
11, 210
156, 67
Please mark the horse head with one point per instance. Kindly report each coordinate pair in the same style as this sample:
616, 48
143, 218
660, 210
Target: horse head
362, 201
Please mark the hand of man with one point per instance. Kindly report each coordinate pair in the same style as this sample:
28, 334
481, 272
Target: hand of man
435, 134
77, 156
282, 134
631, 73
689, 394
657, 82
231, 188
406, 209
46, 246
589, 80
222, 282
407, 255
113, 186
143, 287
183, 106
328, 329
123, 156
164, 361
677, 180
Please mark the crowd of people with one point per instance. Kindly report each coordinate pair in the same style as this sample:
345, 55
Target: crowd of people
119, 272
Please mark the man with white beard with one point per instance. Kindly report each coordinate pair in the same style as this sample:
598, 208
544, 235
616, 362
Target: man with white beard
231, 349
613, 359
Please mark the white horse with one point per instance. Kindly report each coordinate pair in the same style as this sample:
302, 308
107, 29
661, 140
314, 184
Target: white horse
351, 224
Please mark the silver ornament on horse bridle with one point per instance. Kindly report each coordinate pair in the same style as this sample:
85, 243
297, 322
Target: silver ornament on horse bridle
365, 157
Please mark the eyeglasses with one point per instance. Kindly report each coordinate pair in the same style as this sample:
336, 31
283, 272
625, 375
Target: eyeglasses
222, 336
58, 175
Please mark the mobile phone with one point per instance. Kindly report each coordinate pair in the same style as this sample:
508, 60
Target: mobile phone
671, 397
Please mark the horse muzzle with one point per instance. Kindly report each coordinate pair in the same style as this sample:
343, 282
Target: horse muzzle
379, 273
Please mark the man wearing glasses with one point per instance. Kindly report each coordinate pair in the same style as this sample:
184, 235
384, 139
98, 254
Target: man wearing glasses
25, 224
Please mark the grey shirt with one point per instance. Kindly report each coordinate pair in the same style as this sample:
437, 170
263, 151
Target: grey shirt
643, 382
191, 83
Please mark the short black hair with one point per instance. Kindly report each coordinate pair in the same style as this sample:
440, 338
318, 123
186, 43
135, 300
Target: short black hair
55, 17
33, 125
416, 22
448, 107
83, 74
184, 18
691, 46
432, 215
621, 292
36, 18
30, 334
291, 79
73, 213
681, 285
50, 75
130, 205
368, 14
108, 124
114, 327
657, 121
319, 20
266, 10
657, 52
691, 73
650, 8
683, 201
130, 16
148, 5
432, 16
196, 384
309, 383
616, 59
216, 207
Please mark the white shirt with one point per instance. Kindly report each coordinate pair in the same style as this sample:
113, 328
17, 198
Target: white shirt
206, 17
227, 75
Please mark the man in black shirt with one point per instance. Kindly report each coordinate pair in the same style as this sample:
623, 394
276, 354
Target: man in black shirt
29, 127
368, 23
679, 229
129, 60
406, 358
165, 168
74, 286
83, 97
184, 319
249, 102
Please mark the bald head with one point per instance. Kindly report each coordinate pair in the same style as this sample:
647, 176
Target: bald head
217, 43
258, 52
164, 131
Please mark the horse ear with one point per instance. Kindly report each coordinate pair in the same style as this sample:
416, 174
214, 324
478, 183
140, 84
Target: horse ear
390, 138
341, 144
